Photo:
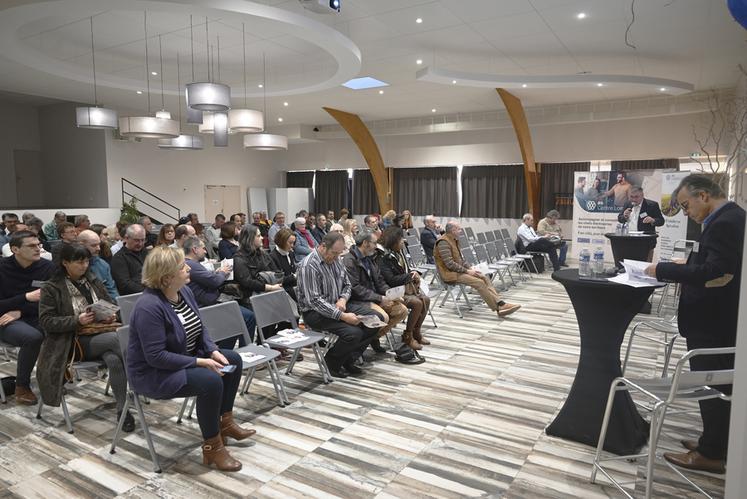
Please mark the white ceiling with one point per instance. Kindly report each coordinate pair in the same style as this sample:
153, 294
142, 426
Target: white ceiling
696, 41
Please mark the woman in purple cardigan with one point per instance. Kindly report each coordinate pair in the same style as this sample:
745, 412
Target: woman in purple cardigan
171, 355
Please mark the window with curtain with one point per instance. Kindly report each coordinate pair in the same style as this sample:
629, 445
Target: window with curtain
494, 191
365, 200
647, 164
557, 187
299, 179
331, 190
426, 190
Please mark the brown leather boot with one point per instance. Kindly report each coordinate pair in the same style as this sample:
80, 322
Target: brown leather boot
229, 428
418, 335
25, 396
408, 340
213, 452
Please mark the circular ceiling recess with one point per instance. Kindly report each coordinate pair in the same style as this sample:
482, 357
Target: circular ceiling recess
303, 55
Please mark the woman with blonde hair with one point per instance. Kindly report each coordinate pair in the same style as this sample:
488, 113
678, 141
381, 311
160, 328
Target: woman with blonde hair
171, 355
406, 220
388, 219
349, 230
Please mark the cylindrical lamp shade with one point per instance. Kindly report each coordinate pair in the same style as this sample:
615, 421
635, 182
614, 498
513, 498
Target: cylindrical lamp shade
182, 143
148, 127
245, 121
95, 117
207, 125
220, 129
194, 116
265, 142
209, 96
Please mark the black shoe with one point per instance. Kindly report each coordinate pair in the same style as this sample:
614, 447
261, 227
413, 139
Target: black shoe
129, 423
336, 373
352, 369
376, 345
564, 265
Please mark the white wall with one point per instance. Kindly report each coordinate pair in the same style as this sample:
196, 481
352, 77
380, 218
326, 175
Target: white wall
19, 129
179, 177
659, 137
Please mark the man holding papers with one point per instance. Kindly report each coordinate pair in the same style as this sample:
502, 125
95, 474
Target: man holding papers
369, 288
708, 308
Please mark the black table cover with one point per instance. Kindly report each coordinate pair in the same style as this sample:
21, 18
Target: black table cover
604, 310
631, 246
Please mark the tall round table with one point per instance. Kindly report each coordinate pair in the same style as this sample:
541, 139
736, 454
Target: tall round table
631, 246
604, 310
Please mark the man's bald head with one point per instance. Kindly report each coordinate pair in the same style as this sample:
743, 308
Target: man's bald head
90, 240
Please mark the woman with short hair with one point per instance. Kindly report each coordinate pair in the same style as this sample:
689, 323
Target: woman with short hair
284, 258
171, 355
228, 245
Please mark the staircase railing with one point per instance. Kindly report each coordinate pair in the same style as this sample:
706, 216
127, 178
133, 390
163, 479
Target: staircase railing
130, 190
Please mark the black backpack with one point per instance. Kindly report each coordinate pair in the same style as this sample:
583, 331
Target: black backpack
407, 355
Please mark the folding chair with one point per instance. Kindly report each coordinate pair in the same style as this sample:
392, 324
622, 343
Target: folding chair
419, 261
498, 260
413, 232
671, 333
224, 321
450, 289
681, 249
127, 305
500, 269
274, 307
684, 385
470, 234
123, 334
5, 347
490, 236
506, 254
481, 239
513, 251
463, 241
411, 240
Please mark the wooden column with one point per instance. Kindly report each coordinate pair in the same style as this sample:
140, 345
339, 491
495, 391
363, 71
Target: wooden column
362, 137
521, 127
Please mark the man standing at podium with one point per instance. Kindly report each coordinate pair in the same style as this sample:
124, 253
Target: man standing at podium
708, 308
641, 214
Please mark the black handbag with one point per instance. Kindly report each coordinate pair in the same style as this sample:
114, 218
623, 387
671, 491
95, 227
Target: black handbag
271, 277
9, 385
407, 355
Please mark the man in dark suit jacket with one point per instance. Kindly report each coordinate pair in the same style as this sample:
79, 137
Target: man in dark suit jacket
708, 308
321, 229
640, 213
428, 236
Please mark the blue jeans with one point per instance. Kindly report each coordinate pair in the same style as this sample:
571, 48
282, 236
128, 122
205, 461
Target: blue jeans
29, 338
251, 325
562, 249
215, 393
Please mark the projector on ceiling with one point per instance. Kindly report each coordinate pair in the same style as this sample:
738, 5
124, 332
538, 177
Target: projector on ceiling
322, 6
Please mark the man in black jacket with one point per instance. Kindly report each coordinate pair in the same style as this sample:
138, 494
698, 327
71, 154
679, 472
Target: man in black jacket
127, 264
640, 213
708, 308
428, 237
368, 286
21, 276
321, 229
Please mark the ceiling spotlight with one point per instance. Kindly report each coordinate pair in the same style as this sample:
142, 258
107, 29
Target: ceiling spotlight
419, 20
419, 62
433, 110
139, 92
453, 82
523, 85
285, 104
600, 84
280, 120
260, 86
154, 73
381, 92
663, 89
581, 15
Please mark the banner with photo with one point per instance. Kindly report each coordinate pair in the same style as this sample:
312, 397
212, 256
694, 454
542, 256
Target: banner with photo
599, 197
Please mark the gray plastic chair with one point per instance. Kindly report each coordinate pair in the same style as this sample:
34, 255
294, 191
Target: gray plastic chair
490, 236
274, 307
469, 233
5, 347
499, 269
481, 238
127, 305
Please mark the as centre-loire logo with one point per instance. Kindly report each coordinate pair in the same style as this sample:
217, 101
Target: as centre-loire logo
591, 205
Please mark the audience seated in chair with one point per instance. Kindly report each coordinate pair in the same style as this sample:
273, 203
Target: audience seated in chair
285, 259
323, 293
181, 233
96, 264
20, 278
171, 355
278, 222
228, 244
68, 234
534, 242
151, 239
127, 264
305, 243
166, 235
50, 228
396, 271
320, 230
549, 225
68, 323
82, 222
212, 234
368, 287
428, 236
452, 270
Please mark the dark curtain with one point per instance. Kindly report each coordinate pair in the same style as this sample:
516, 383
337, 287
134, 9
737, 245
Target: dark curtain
331, 190
494, 191
299, 179
365, 200
557, 187
647, 164
426, 190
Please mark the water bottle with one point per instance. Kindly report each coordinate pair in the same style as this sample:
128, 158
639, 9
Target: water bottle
619, 229
625, 229
583, 263
599, 260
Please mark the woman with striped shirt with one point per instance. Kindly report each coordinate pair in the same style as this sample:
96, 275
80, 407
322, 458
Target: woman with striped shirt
171, 355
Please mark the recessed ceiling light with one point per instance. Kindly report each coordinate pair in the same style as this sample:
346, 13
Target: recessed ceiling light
154, 73
433, 110
419, 62
280, 120
260, 85
381, 92
663, 89
285, 104
139, 92
523, 85
581, 15
453, 82
600, 84
364, 82
419, 20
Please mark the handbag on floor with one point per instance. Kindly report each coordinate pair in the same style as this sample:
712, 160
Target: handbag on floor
407, 355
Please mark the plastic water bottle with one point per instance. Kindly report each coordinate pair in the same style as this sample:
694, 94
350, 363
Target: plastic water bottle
619, 229
584, 258
599, 260
625, 229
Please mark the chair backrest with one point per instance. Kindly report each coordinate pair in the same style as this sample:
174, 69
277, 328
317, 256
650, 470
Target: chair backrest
271, 308
468, 256
224, 320
123, 335
482, 253
469, 233
492, 251
490, 236
502, 247
498, 235
463, 241
412, 240
481, 238
416, 253
413, 232
127, 305
682, 248
505, 234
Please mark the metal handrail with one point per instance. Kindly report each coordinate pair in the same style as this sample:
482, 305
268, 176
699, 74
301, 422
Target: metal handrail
133, 196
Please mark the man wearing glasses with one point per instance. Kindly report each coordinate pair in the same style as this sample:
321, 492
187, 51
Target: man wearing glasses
127, 264
21, 277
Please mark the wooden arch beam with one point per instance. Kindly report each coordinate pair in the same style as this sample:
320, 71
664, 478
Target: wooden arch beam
362, 137
521, 128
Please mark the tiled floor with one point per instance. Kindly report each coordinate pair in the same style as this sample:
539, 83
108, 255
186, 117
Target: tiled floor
467, 423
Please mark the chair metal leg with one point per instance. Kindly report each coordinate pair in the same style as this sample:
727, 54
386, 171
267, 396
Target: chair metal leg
2, 395
192, 408
39, 410
668, 354
603, 431
181, 410
108, 385
148, 438
122, 417
326, 376
274, 369
248, 381
66, 414
627, 350
292, 362
390, 340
